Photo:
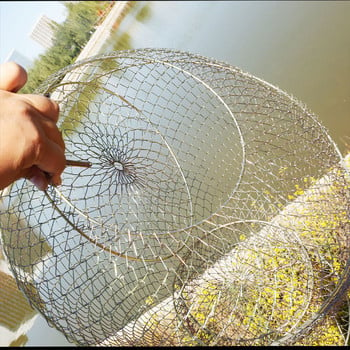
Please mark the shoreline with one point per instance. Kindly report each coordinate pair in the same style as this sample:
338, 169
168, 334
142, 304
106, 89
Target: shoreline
103, 31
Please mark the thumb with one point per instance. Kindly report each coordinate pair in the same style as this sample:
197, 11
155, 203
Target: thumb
12, 76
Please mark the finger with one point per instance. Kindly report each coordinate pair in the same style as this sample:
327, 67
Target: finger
52, 161
44, 105
50, 130
38, 178
12, 76
33, 122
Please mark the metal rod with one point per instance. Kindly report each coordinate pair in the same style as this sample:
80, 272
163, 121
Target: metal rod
78, 163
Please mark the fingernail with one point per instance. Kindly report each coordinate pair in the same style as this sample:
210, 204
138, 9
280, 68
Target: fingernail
39, 182
57, 181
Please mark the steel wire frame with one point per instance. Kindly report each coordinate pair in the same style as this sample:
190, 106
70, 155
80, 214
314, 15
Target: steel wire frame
215, 212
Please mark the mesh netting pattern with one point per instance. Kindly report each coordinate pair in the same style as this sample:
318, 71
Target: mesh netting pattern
215, 211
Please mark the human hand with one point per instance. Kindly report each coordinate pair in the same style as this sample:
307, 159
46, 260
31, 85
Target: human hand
31, 146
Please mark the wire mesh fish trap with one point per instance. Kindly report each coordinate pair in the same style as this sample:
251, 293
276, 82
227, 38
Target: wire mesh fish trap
215, 211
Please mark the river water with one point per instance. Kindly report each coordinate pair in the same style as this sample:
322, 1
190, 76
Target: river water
301, 47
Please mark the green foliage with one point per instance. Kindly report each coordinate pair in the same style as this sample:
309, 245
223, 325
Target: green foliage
78, 101
69, 38
277, 281
144, 13
122, 42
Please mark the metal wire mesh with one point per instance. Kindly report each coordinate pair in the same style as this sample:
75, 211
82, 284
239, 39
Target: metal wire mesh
216, 210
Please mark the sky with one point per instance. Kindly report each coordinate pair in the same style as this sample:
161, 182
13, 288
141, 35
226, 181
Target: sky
17, 19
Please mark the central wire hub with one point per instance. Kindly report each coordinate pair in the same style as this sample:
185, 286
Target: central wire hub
119, 166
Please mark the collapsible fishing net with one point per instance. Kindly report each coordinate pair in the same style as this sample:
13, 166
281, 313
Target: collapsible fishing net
213, 209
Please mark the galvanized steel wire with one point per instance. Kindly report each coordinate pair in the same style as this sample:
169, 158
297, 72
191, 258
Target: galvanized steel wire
215, 212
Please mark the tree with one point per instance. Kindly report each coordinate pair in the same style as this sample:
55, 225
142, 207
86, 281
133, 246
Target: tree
69, 39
